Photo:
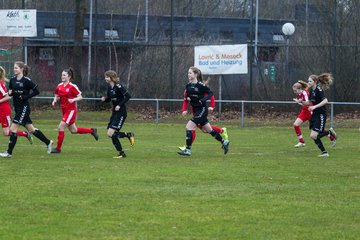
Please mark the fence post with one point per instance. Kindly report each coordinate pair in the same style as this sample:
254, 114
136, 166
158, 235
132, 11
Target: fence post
242, 113
157, 112
332, 115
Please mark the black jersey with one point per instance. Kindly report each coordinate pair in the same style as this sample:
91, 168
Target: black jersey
22, 90
317, 96
198, 94
118, 95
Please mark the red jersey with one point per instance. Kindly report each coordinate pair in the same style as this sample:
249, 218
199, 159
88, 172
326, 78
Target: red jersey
4, 106
186, 102
66, 92
304, 97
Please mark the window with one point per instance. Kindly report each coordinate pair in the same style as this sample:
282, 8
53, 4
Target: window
51, 32
111, 34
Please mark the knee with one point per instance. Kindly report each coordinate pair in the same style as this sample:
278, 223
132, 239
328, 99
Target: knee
313, 136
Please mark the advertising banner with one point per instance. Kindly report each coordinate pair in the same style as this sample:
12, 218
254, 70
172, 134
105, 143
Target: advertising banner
18, 23
221, 59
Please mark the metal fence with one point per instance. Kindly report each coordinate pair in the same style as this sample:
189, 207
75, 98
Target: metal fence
242, 105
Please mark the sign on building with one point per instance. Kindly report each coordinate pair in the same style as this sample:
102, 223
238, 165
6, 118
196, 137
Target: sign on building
18, 23
221, 59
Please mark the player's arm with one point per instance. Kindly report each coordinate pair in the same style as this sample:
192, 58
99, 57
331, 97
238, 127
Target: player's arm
126, 95
185, 104
5, 98
33, 92
322, 103
56, 98
75, 99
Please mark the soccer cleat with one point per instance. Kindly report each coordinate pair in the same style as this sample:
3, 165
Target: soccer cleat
333, 133
29, 137
182, 148
324, 154
5, 155
94, 133
299, 144
55, 150
225, 146
49, 147
131, 137
121, 155
185, 152
224, 134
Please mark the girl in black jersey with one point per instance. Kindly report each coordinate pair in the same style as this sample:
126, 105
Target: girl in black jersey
318, 100
21, 88
198, 93
118, 95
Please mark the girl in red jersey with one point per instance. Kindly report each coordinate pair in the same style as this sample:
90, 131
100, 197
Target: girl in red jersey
68, 94
5, 110
302, 96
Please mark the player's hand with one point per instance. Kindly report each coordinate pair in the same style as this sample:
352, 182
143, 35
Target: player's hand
117, 108
296, 100
211, 109
184, 113
103, 99
312, 108
53, 104
189, 99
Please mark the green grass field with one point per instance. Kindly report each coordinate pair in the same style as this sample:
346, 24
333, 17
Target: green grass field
263, 188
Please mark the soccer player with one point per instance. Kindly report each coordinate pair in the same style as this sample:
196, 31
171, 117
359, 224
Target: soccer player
318, 101
68, 94
21, 88
221, 131
302, 98
5, 109
119, 96
198, 93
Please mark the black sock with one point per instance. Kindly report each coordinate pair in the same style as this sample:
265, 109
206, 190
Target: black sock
116, 142
37, 133
216, 135
189, 137
320, 144
12, 142
122, 134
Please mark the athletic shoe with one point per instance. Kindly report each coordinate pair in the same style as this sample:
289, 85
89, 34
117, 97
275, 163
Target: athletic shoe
131, 137
29, 137
182, 148
224, 134
49, 147
185, 152
5, 155
94, 133
299, 144
55, 150
333, 133
225, 146
121, 155
324, 154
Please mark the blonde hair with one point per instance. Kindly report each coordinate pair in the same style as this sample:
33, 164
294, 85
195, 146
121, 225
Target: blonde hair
3, 75
300, 85
324, 80
113, 76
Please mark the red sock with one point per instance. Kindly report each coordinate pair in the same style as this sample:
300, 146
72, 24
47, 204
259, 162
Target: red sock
217, 129
193, 136
60, 140
22, 133
299, 134
84, 130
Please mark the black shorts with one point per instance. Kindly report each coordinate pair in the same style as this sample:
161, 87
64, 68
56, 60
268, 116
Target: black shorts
317, 122
200, 116
22, 115
117, 120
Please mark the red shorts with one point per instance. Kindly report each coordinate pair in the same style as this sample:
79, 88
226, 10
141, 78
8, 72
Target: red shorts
69, 116
5, 119
304, 115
